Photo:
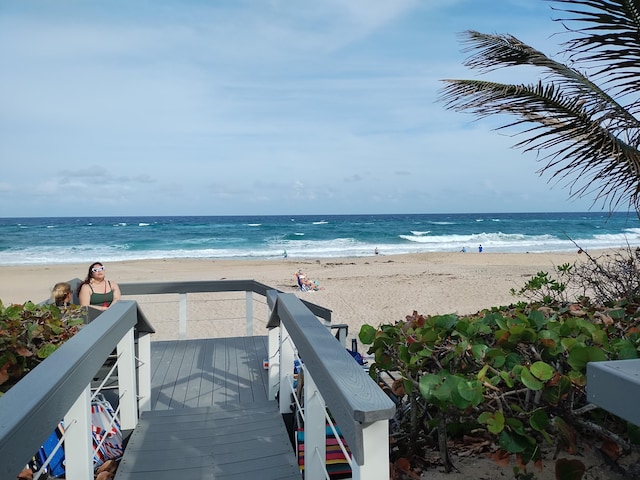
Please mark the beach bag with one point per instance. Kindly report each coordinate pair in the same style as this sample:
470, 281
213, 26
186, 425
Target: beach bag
107, 441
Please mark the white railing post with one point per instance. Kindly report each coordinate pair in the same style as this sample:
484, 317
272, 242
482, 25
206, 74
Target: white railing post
285, 370
315, 427
249, 302
182, 319
127, 382
274, 362
144, 372
78, 442
375, 440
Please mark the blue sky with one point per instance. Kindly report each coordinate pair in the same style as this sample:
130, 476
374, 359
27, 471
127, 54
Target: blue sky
193, 107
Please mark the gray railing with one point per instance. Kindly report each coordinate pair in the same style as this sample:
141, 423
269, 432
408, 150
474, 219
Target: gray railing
183, 289
332, 381
60, 386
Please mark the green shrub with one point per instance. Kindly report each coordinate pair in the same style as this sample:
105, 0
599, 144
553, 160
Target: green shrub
29, 333
516, 373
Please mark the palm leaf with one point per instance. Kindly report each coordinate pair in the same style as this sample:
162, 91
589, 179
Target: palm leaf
608, 40
588, 139
575, 145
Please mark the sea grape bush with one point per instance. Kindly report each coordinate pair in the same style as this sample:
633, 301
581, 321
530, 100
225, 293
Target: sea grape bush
516, 373
29, 333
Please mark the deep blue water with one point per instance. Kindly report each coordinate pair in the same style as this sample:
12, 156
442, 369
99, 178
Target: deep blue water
62, 240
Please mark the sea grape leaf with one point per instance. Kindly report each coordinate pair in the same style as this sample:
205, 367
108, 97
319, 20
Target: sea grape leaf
553, 394
549, 339
46, 350
478, 350
493, 420
446, 322
537, 318
512, 442
625, 348
577, 378
512, 360
542, 371
471, 392
483, 372
529, 381
579, 356
367, 334
539, 420
507, 379
428, 385
516, 425
617, 314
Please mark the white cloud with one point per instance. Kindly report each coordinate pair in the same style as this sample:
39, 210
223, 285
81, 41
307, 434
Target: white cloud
253, 107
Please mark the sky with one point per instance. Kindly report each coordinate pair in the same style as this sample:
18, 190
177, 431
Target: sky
258, 107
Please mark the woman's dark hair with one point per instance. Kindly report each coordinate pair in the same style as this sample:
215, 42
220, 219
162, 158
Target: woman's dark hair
89, 273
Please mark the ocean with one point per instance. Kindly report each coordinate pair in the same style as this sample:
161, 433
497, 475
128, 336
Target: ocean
41, 241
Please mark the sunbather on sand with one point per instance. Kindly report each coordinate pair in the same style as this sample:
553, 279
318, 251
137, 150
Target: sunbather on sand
303, 281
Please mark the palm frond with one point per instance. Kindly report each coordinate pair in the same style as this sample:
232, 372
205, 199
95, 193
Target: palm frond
490, 52
575, 144
607, 40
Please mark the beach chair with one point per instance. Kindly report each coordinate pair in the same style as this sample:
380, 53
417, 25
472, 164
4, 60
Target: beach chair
303, 287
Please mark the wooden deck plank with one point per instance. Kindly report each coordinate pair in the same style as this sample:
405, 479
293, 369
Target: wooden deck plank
165, 384
259, 377
210, 417
231, 377
217, 373
156, 356
202, 372
203, 366
179, 373
192, 374
218, 442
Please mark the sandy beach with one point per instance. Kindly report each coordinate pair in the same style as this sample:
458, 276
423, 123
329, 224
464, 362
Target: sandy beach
374, 290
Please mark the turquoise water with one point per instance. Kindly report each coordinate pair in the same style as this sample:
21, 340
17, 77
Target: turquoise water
28, 241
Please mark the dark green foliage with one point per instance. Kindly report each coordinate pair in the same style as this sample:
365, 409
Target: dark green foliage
517, 372
29, 333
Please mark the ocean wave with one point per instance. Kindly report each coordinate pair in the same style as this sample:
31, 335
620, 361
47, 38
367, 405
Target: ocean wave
84, 240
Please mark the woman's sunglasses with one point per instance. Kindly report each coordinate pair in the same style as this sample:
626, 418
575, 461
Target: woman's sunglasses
97, 269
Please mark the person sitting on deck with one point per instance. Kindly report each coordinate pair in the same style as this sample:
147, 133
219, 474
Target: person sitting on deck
61, 294
96, 291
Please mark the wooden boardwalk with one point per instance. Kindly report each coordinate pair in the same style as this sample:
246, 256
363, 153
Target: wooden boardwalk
210, 417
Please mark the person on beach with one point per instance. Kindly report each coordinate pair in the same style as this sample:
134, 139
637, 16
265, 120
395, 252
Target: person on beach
61, 294
303, 281
96, 291
479, 248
